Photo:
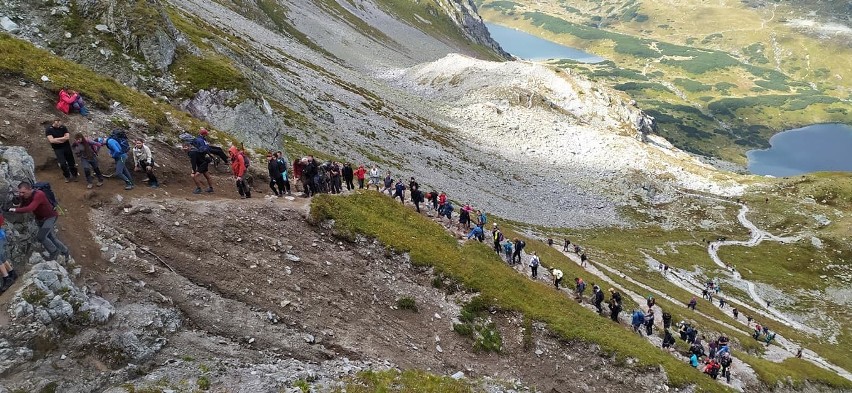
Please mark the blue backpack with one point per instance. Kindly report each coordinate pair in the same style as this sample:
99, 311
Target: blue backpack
201, 144
120, 136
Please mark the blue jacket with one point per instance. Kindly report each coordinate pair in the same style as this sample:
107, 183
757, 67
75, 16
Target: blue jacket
115, 149
476, 231
693, 360
638, 317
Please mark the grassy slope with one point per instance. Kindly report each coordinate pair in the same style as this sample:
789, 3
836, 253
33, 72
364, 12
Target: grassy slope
729, 96
475, 266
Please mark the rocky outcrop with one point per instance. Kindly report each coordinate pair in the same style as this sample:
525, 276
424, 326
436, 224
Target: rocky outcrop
249, 121
465, 15
16, 165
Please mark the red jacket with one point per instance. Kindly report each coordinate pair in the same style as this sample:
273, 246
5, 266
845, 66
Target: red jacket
238, 164
38, 205
360, 172
65, 101
298, 167
442, 199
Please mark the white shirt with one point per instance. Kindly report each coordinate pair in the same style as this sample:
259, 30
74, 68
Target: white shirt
557, 273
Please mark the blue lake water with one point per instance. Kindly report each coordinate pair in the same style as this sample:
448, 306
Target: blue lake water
816, 148
529, 47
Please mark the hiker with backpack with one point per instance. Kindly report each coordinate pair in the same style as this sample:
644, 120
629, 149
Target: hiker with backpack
375, 177
276, 183
416, 197
71, 100
736, 313
519, 246
668, 339
238, 166
464, 217
566, 245
580, 287
335, 174
399, 191
597, 298
39, 200
649, 322
285, 178
615, 304
667, 320
388, 183
476, 232
637, 320
692, 303
534, 263
497, 237
198, 161
583, 259
6, 270
446, 210
58, 136
87, 151
145, 162
348, 176
725, 361
119, 146
507, 251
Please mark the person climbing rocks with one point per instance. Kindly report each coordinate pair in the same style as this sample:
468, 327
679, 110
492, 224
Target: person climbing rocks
118, 147
497, 237
597, 298
87, 151
238, 167
557, 277
736, 313
637, 320
58, 136
567, 245
519, 246
614, 304
349, 176
36, 202
580, 287
649, 322
507, 250
692, 303
360, 174
144, 160
6, 270
534, 263
748, 320
477, 233
70, 100
667, 320
704, 293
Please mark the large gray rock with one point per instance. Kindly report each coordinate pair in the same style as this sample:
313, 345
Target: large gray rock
9, 25
50, 297
247, 120
16, 165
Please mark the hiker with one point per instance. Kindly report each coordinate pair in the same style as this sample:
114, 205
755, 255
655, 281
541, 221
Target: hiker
119, 146
238, 166
757, 331
6, 270
519, 246
722, 302
598, 298
198, 162
712, 368
550, 242
348, 176
276, 182
651, 301
507, 251
476, 232
557, 277
310, 173
583, 259
683, 330
282, 166
798, 353
769, 337
637, 320
580, 287
205, 147
464, 217
668, 339
691, 334
446, 210
614, 304
298, 175
667, 320
567, 245
693, 360
71, 100
360, 174
704, 293
144, 161
58, 136
692, 303
748, 320
442, 199
480, 217
497, 236
649, 321
375, 178
40, 205
399, 191
736, 313
417, 198
725, 362
388, 182
534, 262
576, 249
434, 199
87, 151
335, 176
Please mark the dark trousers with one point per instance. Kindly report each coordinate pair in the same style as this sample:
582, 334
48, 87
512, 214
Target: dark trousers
360, 183
243, 188
90, 166
349, 185
557, 282
516, 257
534, 271
66, 161
417, 205
598, 306
649, 328
614, 314
335, 185
148, 167
277, 185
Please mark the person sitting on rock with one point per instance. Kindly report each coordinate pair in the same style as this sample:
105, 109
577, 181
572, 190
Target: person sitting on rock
71, 100
145, 161
36, 202
87, 151
6, 270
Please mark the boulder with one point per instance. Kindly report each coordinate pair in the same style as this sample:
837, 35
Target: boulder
9, 25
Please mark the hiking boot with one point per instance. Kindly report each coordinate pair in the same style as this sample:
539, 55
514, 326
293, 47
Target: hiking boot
128, 187
100, 183
7, 283
242, 197
197, 191
154, 185
210, 189
74, 179
67, 180
89, 186
13, 274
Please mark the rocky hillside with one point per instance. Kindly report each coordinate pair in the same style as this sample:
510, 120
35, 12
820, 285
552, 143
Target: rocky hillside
363, 81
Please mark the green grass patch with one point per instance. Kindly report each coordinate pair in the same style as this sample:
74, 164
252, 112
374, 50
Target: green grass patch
794, 372
195, 73
403, 381
406, 303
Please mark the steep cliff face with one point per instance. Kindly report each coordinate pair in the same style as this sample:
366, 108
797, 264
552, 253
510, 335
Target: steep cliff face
464, 14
